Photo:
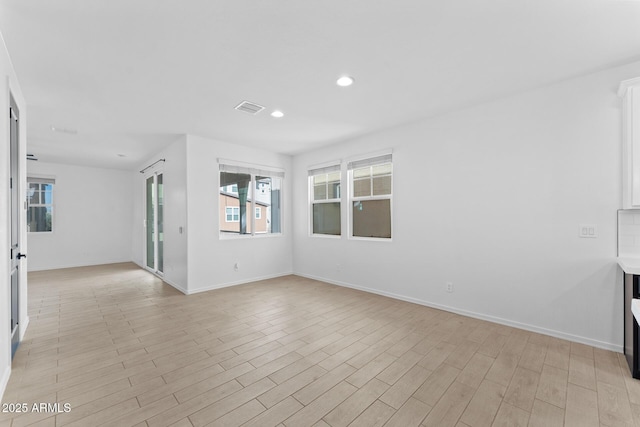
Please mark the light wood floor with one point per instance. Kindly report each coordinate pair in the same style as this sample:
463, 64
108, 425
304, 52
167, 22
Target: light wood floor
124, 349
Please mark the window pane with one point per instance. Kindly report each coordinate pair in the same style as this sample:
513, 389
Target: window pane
334, 190
382, 169
361, 187
150, 229
333, 180
234, 192
362, 172
160, 210
320, 192
382, 185
39, 218
319, 179
326, 218
39, 207
333, 177
268, 198
372, 218
33, 196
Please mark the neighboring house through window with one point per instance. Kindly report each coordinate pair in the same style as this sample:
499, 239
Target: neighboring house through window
245, 189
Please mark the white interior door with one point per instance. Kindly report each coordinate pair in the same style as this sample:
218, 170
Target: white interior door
14, 213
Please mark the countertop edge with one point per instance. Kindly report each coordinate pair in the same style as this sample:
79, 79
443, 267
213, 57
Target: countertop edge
629, 265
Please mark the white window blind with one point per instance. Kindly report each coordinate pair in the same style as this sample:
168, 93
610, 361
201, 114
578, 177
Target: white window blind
373, 161
323, 170
41, 180
253, 170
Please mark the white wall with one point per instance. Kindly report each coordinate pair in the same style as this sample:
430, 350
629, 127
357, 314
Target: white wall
91, 217
491, 199
9, 85
211, 259
198, 260
175, 212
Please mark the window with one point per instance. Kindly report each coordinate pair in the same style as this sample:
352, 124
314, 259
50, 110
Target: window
232, 214
245, 189
324, 187
40, 205
370, 197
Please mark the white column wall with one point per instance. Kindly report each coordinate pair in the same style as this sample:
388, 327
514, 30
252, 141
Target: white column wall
175, 212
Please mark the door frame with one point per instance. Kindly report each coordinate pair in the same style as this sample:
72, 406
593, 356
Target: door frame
15, 222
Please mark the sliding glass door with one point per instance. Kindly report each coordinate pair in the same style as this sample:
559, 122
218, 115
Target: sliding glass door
154, 204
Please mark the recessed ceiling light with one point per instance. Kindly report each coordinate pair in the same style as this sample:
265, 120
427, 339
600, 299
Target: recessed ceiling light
277, 114
345, 81
122, 155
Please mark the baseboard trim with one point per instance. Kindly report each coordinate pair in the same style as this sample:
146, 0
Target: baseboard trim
164, 279
4, 381
90, 264
501, 321
23, 329
173, 285
239, 282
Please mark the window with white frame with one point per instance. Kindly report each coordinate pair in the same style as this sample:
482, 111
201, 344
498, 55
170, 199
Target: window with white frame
246, 189
40, 205
232, 214
370, 196
325, 193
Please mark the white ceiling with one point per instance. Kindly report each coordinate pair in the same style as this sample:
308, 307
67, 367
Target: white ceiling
129, 76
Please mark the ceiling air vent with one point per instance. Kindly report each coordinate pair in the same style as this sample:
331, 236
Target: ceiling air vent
249, 107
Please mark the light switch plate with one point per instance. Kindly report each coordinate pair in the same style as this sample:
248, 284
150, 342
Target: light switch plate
588, 231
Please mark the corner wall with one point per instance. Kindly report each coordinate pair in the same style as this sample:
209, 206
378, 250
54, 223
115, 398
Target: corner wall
211, 259
197, 259
491, 198
91, 217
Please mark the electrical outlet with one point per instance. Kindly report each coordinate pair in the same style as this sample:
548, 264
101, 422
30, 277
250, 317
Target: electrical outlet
588, 231
449, 287
338, 267
236, 266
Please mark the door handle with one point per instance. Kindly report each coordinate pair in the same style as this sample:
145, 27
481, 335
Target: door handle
21, 255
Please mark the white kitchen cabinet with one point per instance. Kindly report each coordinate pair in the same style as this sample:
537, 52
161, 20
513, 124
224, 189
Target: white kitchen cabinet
629, 91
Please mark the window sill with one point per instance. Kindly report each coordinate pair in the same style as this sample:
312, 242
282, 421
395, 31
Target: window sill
372, 239
226, 236
326, 236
